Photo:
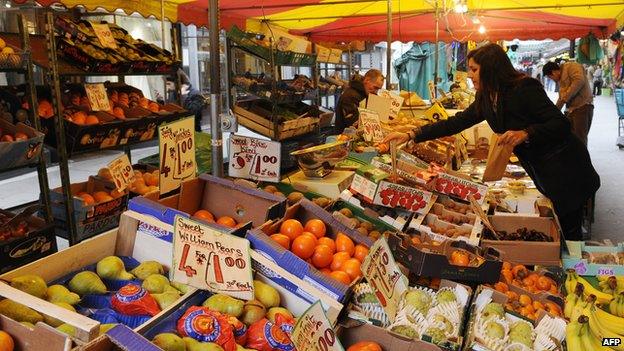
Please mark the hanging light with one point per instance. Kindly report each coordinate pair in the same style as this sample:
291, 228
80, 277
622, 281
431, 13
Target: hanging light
8, 5
481, 29
460, 6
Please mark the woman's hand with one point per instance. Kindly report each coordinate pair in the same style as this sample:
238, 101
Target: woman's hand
513, 137
399, 137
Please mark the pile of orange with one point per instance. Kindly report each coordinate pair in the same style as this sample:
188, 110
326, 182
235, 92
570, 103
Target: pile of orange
530, 281
524, 305
225, 221
338, 258
7, 137
82, 118
98, 197
145, 182
45, 109
118, 112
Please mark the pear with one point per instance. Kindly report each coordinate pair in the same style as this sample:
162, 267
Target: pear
147, 268
67, 329
106, 327
19, 312
157, 284
225, 304
183, 288
166, 299
253, 311
59, 293
113, 268
51, 321
169, 342
194, 345
273, 311
266, 294
31, 284
86, 283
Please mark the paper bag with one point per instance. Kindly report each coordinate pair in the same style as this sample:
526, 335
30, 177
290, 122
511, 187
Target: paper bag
497, 160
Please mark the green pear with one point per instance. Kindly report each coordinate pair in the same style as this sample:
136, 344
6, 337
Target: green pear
31, 284
147, 268
194, 345
59, 293
169, 342
113, 268
253, 311
275, 310
28, 324
183, 288
225, 304
19, 312
51, 321
266, 294
106, 327
166, 299
157, 284
87, 282
67, 329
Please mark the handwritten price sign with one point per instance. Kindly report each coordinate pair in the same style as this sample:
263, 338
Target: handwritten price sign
396, 102
98, 99
460, 188
103, 32
177, 153
382, 272
255, 159
369, 122
313, 332
122, 172
395, 195
211, 260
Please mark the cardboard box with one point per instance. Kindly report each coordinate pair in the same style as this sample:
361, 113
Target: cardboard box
42, 337
304, 211
120, 338
361, 215
90, 219
434, 261
396, 218
590, 260
20, 153
527, 252
353, 333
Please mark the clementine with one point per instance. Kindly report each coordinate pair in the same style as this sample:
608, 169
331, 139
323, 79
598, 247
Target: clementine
344, 244
92, 119
292, 228
282, 240
327, 241
316, 227
352, 268
6, 341
339, 259
361, 252
341, 277
227, 221
204, 215
87, 199
303, 247
322, 256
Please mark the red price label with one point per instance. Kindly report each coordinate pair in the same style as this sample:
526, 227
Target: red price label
395, 195
369, 121
313, 332
177, 153
253, 158
458, 188
121, 172
103, 32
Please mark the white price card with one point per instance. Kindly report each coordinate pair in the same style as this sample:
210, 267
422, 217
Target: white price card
208, 259
313, 332
396, 102
369, 122
379, 104
384, 275
98, 99
176, 142
121, 172
103, 32
253, 158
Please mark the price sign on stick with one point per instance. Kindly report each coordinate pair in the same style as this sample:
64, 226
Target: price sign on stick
313, 332
121, 171
256, 159
396, 102
98, 99
177, 153
208, 259
382, 272
103, 32
369, 122
379, 104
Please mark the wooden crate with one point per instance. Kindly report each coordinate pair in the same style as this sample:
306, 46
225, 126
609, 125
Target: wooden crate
262, 125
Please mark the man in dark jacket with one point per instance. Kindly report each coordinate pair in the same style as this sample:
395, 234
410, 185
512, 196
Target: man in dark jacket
347, 108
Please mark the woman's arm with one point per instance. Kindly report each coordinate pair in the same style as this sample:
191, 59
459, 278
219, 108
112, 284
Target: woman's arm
451, 126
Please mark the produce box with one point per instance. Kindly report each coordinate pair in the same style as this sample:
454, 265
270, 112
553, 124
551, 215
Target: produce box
396, 218
73, 53
347, 212
257, 116
455, 222
41, 337
120, 338
358, 332
454, 260
19, 153
590, 260
526, 252
90, 219
304, 211
287, 189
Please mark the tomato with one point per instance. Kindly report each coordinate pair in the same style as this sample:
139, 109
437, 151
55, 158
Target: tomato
303, 247
322, 256
365, 346
292, 228
316, 227
344, 244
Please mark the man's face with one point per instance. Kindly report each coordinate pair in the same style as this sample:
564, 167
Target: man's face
555, 75
372, 86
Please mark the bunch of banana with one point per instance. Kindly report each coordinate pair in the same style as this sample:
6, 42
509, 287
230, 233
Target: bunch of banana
611, 284
571, 281
603, 325
574, 302
616, 306
580, 338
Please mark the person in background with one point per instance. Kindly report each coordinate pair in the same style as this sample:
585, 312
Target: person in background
347, 108
192, 100
597, 75
575, 93
517, 108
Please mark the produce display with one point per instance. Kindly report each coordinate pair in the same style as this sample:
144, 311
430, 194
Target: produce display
8, 137
523, 234
13, 230
10, 57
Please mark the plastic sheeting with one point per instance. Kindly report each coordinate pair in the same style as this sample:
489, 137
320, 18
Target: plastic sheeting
415, 68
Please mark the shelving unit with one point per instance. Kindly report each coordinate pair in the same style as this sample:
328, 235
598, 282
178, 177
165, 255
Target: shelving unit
324, 67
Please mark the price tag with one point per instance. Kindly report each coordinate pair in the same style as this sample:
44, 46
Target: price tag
313, 332
460, 188
122, 172
369, 122
436, 113
103, 32
335, 56
322, 53
401, 196
98, 99
396, 102
380, 105
208, 259
177, 153
383, 274
253, 158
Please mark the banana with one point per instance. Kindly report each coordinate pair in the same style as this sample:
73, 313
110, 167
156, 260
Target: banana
601, 330
570, 302
570, 282
609, 286
573, 336
582, 307
615, 322
620, 306
601, 297
613, 305
588, 340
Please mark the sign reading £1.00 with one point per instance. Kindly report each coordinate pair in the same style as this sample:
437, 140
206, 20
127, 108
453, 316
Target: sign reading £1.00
121, 172
98, 99
176, 142
369, 122
104, 34
208, 259
382, 272
255, 159
313, 332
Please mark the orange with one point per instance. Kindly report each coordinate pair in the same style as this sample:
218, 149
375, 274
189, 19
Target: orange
143, 102
116, 194
311, 236
6, 341
344, 244
341, 277
91, 119
322, 256
282, 240
460, 258
87, 199
153, 180
227, 221
316, 227
7, 138
292, 228
352, 268
119, 113
205, 215
338, 260
101, 196
20, 136
303, 247
154, 107
543, 283
365, 346
328, 242
525, 300
325, 271
361, 252
79, 117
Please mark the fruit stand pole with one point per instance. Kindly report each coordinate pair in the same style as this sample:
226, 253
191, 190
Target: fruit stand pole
215, 89
437, 50
389, 48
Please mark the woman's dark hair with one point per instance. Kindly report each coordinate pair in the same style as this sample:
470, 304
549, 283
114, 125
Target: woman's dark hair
496, 74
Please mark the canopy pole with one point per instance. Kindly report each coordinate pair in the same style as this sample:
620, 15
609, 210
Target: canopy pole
389, 47
162, 23
215, 89
437, 53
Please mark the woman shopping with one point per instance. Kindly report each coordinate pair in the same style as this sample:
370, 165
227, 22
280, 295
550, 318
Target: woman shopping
517, 108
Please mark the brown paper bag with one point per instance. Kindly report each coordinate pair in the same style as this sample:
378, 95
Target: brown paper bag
497, 160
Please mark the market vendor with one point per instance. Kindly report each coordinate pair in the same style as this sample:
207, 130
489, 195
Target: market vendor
358, 90
518, 109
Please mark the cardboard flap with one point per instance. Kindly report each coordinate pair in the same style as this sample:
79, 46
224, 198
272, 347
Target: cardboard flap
127, 339
152, 208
